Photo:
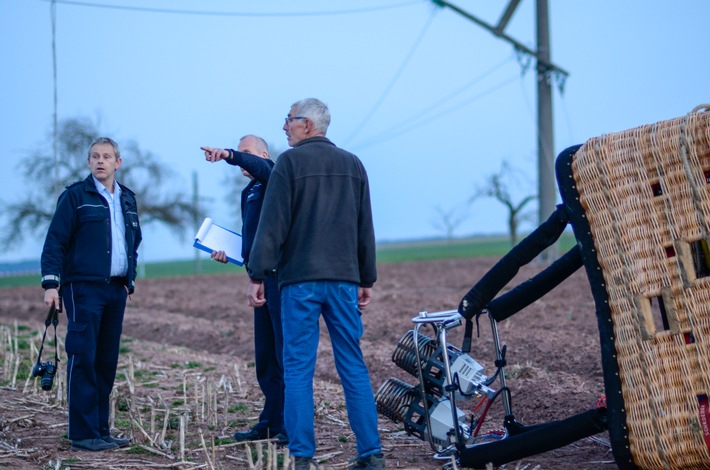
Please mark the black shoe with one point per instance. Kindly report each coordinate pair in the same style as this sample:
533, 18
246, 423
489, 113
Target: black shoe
119, 441
371, 462
305, 463
250, 435
94, 445
282, 439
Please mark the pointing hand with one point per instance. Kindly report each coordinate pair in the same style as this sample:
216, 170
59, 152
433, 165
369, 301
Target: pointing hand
215, 154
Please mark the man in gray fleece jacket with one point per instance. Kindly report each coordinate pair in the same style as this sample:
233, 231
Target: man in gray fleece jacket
318, 234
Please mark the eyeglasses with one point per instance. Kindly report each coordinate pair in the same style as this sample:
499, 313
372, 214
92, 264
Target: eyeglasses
291, 118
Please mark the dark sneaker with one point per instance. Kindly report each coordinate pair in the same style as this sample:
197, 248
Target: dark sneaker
119, 441
93, 445
372, 462
282, 439
305, 463
250, 435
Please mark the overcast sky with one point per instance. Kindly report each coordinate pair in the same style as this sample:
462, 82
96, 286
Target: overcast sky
430, 101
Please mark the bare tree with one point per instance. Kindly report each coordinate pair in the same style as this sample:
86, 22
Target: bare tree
449, 220
498, 186
143, 173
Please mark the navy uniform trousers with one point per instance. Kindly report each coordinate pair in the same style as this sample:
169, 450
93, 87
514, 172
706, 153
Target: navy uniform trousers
268, 354
95, 321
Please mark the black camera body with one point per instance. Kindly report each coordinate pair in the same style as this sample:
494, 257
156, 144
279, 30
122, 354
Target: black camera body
46, 371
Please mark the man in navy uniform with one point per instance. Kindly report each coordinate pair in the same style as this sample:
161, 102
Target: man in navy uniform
252, 156
89, 259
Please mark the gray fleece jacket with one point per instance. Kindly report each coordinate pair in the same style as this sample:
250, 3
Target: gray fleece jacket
316, 222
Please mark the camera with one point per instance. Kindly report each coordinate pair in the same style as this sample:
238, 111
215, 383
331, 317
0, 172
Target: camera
46, 371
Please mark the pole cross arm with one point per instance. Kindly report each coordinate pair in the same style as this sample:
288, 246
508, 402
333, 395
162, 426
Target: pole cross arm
544, 65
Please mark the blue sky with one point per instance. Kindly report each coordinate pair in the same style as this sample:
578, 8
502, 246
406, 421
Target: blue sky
431, 102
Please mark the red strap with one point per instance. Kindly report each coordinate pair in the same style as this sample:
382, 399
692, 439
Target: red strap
704, 410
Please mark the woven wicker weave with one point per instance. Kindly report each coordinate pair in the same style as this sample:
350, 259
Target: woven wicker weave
646, 196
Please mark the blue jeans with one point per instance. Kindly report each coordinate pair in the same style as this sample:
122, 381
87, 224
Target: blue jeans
302, 305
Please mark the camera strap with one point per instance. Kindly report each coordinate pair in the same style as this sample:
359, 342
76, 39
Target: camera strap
53, 319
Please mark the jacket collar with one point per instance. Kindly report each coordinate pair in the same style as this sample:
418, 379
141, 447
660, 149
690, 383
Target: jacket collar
90, 186
318, 138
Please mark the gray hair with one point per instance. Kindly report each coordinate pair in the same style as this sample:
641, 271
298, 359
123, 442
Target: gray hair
106, 140
260, 143
316, 111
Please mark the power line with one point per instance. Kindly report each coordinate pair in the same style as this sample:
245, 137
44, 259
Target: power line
565, 111
434, 117
232, 13
424, 114
379, 102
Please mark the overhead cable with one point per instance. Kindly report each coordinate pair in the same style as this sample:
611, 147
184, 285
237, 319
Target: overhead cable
424, 114
232, 13
406, 60
434, 117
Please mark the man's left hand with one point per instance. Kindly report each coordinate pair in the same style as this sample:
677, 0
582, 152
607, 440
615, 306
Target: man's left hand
364, 296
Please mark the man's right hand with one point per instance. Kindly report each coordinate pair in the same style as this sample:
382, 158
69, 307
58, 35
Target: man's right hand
220, 256
215, 154
51, 296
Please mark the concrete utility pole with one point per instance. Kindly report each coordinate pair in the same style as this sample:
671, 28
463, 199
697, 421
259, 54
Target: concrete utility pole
196, 219
547, 186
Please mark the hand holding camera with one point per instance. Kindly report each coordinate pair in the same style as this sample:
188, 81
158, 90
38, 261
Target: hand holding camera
46, 371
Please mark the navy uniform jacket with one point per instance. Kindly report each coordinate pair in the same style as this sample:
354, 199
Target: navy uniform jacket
253, 195
78, 242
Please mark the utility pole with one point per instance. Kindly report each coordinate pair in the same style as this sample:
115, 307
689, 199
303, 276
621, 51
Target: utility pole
547, 187
55, 141
546, 70
196, 219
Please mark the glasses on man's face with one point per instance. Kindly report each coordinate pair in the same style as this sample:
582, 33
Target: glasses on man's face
291, 118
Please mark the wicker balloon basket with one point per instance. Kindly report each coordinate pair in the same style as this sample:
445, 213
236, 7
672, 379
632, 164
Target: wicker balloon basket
643, 196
